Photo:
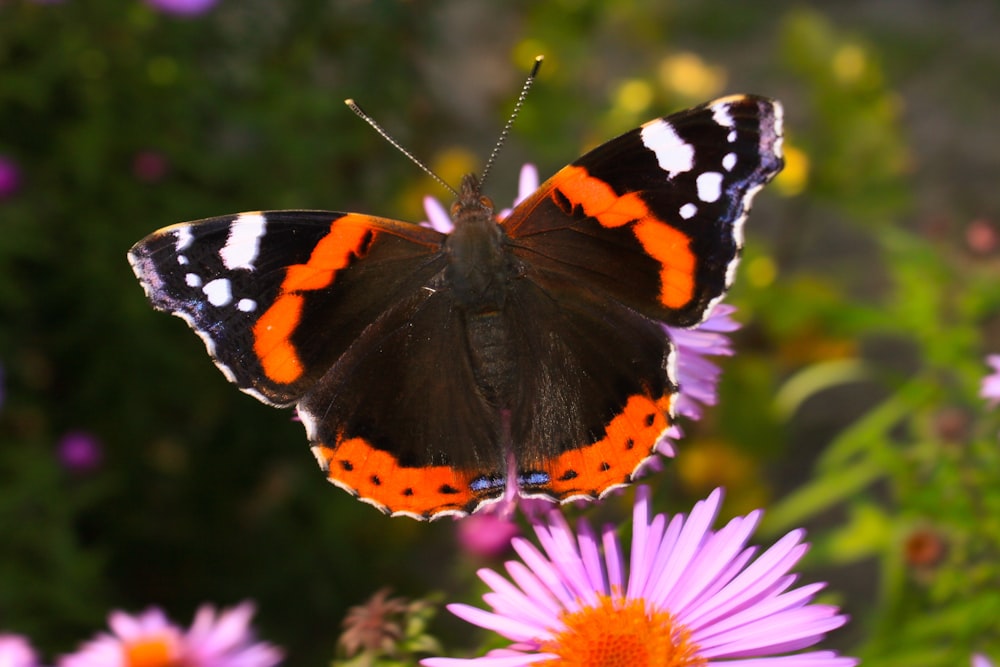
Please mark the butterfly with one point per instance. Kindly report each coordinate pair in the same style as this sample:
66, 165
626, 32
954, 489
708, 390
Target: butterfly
436, 372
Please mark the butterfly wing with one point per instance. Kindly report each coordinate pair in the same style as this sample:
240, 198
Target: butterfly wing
653, 219
278, 296
645, 230
342, 315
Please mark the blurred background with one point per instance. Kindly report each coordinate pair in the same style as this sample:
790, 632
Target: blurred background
132, 474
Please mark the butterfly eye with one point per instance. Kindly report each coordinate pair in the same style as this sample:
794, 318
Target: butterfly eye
486, 202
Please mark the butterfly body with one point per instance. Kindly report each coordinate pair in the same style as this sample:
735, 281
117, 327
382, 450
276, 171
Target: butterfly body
435, 372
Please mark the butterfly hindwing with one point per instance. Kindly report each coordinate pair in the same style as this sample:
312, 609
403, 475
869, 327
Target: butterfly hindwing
654, 218
594, 391
399, 420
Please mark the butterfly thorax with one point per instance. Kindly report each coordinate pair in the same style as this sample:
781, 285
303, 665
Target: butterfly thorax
479, 262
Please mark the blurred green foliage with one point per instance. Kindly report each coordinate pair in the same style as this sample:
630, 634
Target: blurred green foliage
868, 290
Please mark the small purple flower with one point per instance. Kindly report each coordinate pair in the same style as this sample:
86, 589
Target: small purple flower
16, 651
79, 452
684, 595
980, 660
151, 640
182, 7
486, 534
149, 166
698, 377
990, 388
10, 178
147, 639
224, 639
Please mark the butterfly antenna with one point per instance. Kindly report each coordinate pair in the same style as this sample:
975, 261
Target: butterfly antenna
385, 135
510, 121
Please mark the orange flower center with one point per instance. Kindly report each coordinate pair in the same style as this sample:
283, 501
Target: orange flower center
159, 650
621, 633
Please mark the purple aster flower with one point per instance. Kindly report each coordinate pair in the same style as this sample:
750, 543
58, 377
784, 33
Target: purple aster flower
990, 388
685, 596
147, 639
696, 375
149, 166
980, 660
10, 178
182, 7
79, 452
226, 640
16, 651
151, 640
486, 534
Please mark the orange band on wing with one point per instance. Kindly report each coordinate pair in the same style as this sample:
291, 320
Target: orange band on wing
375, 475
349, 237
629, 440
669, 246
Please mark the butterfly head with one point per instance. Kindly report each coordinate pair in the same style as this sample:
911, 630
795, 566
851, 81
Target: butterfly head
471, 201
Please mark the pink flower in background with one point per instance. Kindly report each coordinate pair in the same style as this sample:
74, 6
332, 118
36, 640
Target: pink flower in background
990, 388
222, 639
684, 595
149, 166
10, 178
182, 7
486, 534
79, 452
148, 639
16, 651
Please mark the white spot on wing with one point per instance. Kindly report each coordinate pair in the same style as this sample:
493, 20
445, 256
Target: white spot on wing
243, 243
709, 186
246, 305
729, 161
779, 121
688, 211
721, 115
218, 291
192, 280
731, 137
673, 154
182, 259
184, 238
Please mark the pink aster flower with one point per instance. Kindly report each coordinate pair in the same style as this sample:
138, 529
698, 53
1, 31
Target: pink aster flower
182, 7
486, 534
151, 640
685, 596
79, 452
16, 651
990, 388
980, 660
146, 639
10, 177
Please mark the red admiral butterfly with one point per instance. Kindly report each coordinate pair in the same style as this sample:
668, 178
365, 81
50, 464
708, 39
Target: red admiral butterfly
432, 371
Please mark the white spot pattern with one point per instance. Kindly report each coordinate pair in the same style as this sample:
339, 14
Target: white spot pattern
688, 211
243, 243
218, 291
709, 186
673, 154
246, 305
192, 280
729, 161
